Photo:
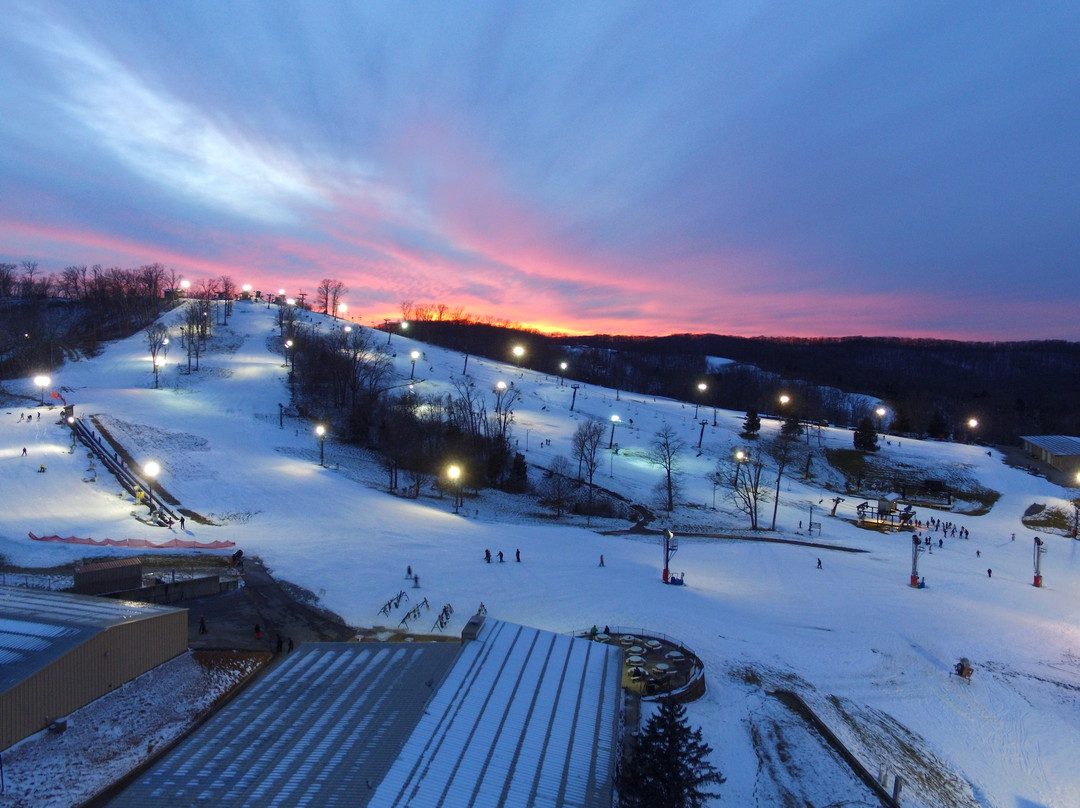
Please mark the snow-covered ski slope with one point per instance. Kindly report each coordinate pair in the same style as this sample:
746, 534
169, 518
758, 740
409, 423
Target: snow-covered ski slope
870, 654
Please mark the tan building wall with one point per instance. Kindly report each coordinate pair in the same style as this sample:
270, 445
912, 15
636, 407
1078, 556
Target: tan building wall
103, 663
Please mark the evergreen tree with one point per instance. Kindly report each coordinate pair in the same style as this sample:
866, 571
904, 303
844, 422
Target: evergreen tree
670, 767
518, 481
791, 427
901, 423
938, 428
751, 424
865, 436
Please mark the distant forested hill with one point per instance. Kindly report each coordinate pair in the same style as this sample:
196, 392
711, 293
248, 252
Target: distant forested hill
930, 387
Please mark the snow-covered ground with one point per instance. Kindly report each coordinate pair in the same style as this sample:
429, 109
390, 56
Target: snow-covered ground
870, 654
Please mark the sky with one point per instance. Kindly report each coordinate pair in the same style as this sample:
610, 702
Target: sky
810, 169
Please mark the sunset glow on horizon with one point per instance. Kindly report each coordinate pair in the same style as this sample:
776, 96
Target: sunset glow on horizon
742, 168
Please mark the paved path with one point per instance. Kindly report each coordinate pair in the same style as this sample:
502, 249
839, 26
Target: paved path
231, 618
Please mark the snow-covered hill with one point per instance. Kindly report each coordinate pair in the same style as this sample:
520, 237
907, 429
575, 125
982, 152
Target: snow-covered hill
870, 654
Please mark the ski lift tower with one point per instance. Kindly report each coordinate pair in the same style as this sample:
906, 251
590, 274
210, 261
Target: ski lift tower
671, 546
1040, 549
916, 548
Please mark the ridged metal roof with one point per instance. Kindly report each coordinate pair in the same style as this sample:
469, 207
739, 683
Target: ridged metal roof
524, 718
38, 626
1061, 445
516, 717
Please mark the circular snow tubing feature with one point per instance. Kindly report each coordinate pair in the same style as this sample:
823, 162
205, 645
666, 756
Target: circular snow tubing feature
654, 665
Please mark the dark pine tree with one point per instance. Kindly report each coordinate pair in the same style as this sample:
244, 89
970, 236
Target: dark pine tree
670, 768
751, 424
865, 436
901, 423
791, 427
938, 428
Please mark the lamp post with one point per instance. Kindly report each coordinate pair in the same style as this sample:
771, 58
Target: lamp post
414, 356
880, 413
784, 401
702, 387
288, 345
562, 374
518, 353
740, 456
500, 391
614, 420
341, 309
972, 424
157, 367
454, 473
320, 430
150, 471
42, 382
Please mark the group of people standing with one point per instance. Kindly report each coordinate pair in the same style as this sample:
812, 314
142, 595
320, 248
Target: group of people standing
487, 556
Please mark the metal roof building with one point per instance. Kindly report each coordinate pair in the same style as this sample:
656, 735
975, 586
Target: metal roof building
59, 652
516, 716
1060, 451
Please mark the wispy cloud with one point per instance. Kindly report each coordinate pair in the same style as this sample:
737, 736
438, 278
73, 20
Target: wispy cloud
749, 168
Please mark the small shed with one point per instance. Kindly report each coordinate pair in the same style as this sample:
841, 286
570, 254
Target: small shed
116, 575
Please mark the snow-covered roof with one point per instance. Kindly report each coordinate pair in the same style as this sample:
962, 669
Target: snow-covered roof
1061, 445
38, 626
525, 717
518, 716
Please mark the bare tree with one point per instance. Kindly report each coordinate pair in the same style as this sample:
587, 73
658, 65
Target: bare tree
747, 485
7, 279
194, 319
152, 280
172, 278
337, 291
155, 338
228, 292
466, 412
586, 449
28, 284
328, 293
72, 282
557, 486
783, 452
666, 447
505, 398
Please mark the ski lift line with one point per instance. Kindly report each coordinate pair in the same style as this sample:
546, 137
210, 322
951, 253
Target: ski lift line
123, 475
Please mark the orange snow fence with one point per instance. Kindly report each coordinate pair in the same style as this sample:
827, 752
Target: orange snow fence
171, 544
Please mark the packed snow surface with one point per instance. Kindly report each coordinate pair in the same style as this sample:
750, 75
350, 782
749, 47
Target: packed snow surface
871, 655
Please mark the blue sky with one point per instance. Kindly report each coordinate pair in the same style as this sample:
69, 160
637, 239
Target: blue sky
744, 168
